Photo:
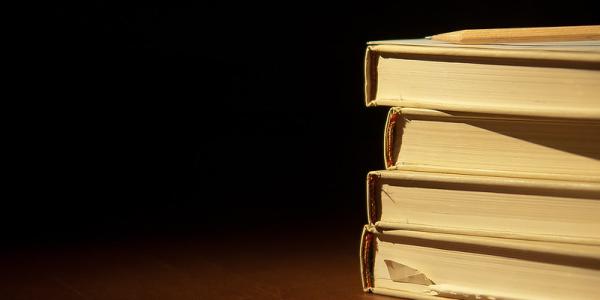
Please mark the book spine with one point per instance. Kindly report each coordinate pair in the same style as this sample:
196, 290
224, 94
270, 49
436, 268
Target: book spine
394, 126
371, 59
366, 258
373, 181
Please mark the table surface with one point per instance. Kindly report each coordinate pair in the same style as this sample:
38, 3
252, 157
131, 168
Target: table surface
309, 264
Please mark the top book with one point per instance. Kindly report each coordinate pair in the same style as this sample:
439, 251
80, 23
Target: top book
550, 79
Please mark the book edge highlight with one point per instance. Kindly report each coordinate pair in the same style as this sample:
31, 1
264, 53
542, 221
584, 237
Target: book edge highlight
393, 121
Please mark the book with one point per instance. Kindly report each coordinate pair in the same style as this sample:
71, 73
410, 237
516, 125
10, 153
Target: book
497, 145
503, 207
552, 79
425, 265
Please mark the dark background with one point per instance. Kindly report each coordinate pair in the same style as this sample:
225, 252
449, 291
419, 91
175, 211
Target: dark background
173, 120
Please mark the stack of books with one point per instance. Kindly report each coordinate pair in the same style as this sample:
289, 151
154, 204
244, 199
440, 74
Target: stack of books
491, 187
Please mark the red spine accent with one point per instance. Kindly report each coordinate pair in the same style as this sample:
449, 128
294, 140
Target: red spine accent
390, 130
367, 259
373, 181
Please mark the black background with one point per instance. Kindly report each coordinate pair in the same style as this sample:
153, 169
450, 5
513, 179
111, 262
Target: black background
151, 119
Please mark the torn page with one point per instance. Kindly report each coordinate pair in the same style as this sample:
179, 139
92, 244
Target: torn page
402, 273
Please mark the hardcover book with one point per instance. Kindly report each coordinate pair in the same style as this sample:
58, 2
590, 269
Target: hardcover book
558, 79
496, 145
530, 209
425, 265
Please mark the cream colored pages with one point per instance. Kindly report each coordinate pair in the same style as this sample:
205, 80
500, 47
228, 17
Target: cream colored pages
485, 268
429, 140
529, 209
501, 80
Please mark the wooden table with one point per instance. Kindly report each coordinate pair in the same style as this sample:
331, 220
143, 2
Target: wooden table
272, 264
